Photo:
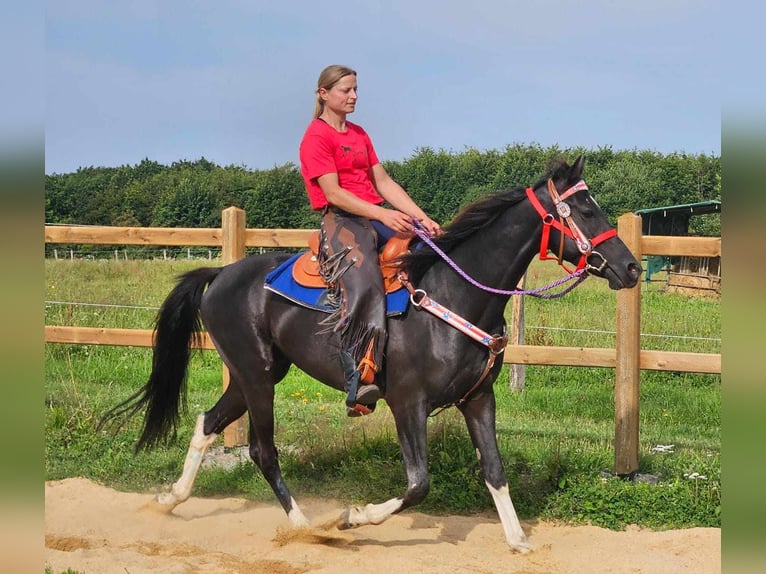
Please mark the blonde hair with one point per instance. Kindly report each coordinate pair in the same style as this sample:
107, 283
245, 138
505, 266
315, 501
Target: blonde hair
330, 76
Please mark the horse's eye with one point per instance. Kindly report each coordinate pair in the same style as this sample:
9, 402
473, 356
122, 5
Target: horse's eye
590, 207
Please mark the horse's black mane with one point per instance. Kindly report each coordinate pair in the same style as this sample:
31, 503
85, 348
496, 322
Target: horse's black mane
471, 218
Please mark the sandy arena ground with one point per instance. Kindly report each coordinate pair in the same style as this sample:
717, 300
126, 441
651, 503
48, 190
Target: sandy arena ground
96, 530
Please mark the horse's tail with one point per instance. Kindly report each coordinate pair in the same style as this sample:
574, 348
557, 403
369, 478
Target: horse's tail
164, 395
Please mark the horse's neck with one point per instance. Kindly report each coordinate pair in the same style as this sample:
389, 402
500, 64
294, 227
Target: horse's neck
497, 257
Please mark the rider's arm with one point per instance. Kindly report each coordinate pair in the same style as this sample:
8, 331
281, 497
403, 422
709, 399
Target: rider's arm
395, 194
347, 201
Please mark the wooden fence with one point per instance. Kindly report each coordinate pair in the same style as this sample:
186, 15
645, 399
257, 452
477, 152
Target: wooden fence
627, 358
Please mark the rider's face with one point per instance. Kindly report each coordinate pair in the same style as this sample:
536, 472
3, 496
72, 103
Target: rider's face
341, 98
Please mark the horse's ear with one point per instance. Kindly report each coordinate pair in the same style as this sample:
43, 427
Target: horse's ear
577, 168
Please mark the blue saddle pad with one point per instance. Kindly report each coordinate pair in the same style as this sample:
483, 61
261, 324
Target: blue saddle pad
281, 282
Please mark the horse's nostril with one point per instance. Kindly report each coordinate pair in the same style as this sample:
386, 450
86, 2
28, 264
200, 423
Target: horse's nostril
635, 270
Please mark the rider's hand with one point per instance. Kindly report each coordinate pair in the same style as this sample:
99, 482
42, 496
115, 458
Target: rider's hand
396, 220
433, 228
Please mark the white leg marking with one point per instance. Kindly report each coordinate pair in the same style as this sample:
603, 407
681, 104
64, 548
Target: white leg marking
296, 516
182, 488
373, 513
514, 534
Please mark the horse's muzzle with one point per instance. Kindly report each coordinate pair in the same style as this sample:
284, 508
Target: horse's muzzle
618, 278
627, 279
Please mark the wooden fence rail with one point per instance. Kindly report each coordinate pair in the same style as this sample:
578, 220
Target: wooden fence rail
515, 354
627, 358
200, 237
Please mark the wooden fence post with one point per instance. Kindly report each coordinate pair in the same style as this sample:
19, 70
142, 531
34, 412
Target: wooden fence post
518, 371
627, 368
233, 249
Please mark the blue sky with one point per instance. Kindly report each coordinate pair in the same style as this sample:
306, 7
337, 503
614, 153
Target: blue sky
233, 81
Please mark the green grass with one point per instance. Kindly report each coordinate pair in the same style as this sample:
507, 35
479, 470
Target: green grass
556, 438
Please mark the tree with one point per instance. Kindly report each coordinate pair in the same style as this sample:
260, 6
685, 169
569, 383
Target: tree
193, 193
278, 200
628, 183
187, 204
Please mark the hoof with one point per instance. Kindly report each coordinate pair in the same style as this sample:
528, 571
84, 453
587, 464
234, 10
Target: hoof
155, 505
521, 548
352, 517
344, 522
167, 500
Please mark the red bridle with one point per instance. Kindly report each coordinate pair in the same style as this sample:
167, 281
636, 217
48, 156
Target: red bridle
571, 230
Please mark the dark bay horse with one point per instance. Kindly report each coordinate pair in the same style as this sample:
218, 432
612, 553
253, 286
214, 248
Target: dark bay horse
428, 363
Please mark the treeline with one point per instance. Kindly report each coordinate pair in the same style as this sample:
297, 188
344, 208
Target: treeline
193, 194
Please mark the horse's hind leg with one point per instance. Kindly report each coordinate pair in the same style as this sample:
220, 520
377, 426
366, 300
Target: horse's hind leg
255, 366
479, 414
209, 425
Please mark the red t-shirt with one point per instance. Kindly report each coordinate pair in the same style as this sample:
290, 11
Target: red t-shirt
349, 154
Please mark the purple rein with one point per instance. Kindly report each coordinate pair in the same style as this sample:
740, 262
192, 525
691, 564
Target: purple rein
540, 292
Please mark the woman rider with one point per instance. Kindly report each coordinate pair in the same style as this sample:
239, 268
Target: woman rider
346, 181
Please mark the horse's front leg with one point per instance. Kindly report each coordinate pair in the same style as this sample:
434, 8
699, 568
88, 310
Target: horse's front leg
411, 429
479, 415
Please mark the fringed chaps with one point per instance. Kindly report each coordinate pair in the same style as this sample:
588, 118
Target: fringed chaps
348, 262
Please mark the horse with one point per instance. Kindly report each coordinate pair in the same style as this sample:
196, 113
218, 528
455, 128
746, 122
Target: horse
428, 364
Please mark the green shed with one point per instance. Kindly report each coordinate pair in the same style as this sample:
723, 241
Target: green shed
683, 272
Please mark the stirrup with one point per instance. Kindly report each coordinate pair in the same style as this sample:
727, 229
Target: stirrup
365, 400
359, 410
367, 367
